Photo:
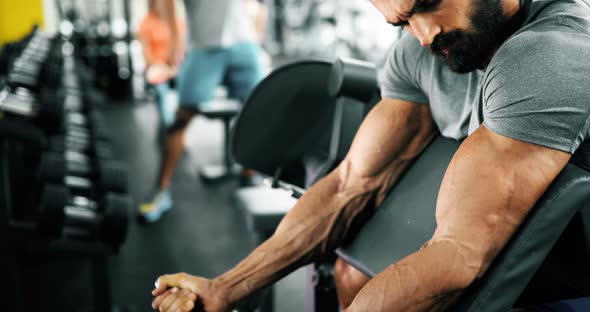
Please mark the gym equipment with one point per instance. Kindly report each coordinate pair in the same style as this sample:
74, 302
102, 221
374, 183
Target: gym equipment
100, 149
225, 110
30, 66
49, 121
77, 171
321, 106
50, 116
80, 217
47, 111
276, 145
60, 207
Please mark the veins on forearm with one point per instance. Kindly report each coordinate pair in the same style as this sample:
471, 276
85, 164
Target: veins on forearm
301, 239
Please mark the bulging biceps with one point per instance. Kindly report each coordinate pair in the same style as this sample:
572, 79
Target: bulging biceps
393, 130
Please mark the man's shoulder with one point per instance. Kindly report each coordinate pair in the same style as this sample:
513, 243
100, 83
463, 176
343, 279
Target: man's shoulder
559, 15
549, 61
546, 45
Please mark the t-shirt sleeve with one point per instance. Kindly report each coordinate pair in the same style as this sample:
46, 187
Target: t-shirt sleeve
536, 90
399, 79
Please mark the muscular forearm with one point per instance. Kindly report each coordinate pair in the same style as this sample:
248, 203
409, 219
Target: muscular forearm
320, 221
428, 280
391, 136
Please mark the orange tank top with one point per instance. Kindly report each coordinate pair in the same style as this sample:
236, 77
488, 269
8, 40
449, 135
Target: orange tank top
156, 34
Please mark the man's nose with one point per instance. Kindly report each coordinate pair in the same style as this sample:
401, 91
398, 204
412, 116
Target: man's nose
425, 31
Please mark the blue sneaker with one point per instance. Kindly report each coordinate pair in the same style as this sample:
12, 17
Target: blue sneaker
152, 211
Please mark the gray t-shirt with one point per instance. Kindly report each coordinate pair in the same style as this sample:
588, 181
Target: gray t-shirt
218, 23
536, 88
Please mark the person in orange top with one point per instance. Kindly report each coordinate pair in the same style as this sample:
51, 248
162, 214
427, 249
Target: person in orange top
155, 36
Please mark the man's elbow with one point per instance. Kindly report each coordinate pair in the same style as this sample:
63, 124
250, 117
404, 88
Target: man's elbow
462, 278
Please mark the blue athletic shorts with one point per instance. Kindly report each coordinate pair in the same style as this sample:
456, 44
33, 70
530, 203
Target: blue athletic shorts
237, 67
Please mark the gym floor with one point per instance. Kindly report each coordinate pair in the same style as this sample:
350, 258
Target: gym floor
204, 234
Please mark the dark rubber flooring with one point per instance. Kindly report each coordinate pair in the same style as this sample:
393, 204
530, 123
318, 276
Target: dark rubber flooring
203, 234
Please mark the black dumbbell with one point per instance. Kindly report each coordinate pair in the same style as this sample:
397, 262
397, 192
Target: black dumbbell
81, 115
51, 117
36, 76
47, 111
86, 127
62, 214
72, 97
31, 60
78, 172
27, 68
54, 111
100, 149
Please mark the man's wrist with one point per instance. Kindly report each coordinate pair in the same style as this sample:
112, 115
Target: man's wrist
221, 291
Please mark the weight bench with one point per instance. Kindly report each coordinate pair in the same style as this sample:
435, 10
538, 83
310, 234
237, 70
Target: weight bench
290, 93
406, 220
263, 206
225, 111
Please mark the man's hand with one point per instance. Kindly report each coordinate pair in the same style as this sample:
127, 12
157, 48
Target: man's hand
203, 290
175, 300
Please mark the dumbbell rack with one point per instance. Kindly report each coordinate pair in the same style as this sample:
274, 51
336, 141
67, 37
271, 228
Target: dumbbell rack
22, 237
22, 241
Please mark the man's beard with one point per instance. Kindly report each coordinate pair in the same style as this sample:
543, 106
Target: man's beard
467, 50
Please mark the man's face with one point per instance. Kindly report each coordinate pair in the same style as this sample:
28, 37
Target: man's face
464, 32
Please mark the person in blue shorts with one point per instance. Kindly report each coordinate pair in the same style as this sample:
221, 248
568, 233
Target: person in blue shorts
223, 49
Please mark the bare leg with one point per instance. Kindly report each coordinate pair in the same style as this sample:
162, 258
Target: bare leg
175, 145
349, 281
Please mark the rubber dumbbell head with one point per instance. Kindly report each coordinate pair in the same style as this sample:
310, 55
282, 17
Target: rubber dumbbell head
51, 109
113, 229
53, 167
113, 176
52, 214
103, 150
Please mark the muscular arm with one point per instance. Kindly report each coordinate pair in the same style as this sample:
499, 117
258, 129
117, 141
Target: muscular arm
489, 188
392, 135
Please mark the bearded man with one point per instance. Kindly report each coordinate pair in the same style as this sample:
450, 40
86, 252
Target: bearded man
511, 79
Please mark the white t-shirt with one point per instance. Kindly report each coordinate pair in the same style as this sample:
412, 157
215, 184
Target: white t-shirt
218, 23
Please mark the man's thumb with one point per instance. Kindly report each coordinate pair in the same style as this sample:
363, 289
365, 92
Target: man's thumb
180, 280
